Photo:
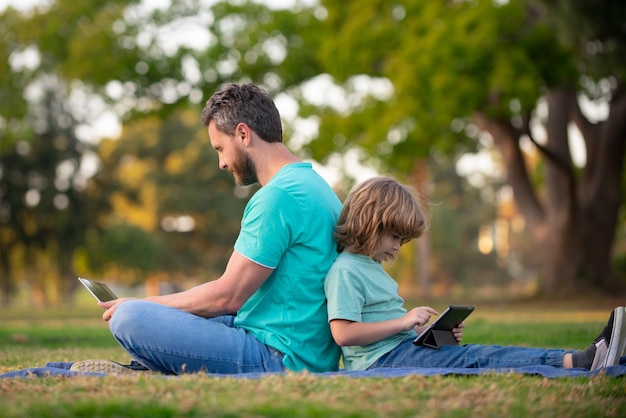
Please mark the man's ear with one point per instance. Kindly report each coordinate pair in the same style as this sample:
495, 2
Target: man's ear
242, 133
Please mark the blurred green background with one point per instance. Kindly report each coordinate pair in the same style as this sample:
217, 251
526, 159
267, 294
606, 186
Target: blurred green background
508, 116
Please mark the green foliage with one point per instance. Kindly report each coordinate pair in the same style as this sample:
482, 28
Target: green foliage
165, 171
73, 56
595, 32
460, 69
445, 60
125, 246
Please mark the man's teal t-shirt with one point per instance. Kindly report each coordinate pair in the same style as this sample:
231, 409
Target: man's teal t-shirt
358, 289
288, 226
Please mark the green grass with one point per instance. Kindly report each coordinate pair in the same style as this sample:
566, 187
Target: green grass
32, 338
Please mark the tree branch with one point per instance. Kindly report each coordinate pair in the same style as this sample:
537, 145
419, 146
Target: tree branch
506, 139
553, 157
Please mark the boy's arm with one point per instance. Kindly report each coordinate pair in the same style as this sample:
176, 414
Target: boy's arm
347, 333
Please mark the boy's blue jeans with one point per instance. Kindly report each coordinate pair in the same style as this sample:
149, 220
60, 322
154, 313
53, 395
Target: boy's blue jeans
172, 341
406, 354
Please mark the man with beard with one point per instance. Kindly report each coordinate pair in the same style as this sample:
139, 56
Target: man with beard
274, 280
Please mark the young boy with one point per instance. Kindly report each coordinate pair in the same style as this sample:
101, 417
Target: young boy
366, 314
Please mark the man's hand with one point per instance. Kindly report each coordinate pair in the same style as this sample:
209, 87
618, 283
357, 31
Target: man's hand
110, 307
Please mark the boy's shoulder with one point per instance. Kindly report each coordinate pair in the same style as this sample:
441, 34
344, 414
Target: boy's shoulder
352, 262
348, 257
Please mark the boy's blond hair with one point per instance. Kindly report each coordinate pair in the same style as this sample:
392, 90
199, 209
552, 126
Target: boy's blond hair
375, 207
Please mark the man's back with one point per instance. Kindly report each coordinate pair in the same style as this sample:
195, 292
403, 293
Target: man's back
288, 226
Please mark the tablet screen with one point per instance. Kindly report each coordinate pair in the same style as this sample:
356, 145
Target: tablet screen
447, 320
100, 291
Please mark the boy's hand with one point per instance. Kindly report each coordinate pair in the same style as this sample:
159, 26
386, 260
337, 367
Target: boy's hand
458, 331
418, 317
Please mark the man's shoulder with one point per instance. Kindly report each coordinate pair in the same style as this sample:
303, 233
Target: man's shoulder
301, 184
301, 173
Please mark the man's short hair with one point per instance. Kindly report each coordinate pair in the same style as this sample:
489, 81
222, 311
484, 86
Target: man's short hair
244, 103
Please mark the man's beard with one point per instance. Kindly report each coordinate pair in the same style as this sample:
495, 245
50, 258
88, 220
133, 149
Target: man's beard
244, 170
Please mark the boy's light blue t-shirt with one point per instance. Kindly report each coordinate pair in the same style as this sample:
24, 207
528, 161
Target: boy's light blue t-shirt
358, 289
288, 226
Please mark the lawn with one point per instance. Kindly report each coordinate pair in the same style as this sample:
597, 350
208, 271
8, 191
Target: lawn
30, 338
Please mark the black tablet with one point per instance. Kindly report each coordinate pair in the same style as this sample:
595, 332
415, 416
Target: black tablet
439, 333
100, 291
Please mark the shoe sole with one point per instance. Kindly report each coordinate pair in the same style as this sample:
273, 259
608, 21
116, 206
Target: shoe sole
599, 359
101, 366
618, 338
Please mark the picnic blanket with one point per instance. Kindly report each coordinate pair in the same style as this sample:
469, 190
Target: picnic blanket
63, 369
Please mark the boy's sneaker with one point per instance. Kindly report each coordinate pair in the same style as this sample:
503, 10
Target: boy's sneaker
600, 357
107, 366
617, 343
611, 343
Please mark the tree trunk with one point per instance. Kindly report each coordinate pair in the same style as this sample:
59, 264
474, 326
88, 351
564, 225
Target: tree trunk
421, 180
601, 191
67, 275
7, 287
562, 247
575, 222
506, 139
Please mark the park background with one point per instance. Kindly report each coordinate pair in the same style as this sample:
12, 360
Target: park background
508, 116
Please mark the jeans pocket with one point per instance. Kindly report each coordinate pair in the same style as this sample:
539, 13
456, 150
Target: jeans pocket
277, 353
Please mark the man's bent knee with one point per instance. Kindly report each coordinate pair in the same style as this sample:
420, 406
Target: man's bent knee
129, 314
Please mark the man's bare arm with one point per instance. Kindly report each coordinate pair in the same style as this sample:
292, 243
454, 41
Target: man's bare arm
227, 294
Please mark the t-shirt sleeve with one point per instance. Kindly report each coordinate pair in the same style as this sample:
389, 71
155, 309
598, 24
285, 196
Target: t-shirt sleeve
267, 227
345, 299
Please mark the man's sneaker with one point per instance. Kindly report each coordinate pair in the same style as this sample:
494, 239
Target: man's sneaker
617, 342
106, 366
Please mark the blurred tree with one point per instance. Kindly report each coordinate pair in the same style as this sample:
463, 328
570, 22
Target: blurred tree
67, 62
174, 211
44, 165
126, 247
459, 69
452, 259
42, 191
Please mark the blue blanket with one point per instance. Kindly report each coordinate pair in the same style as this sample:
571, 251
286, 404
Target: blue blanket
63, 369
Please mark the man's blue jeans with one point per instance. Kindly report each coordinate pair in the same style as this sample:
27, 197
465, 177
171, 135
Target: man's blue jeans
172, 341
406, 354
